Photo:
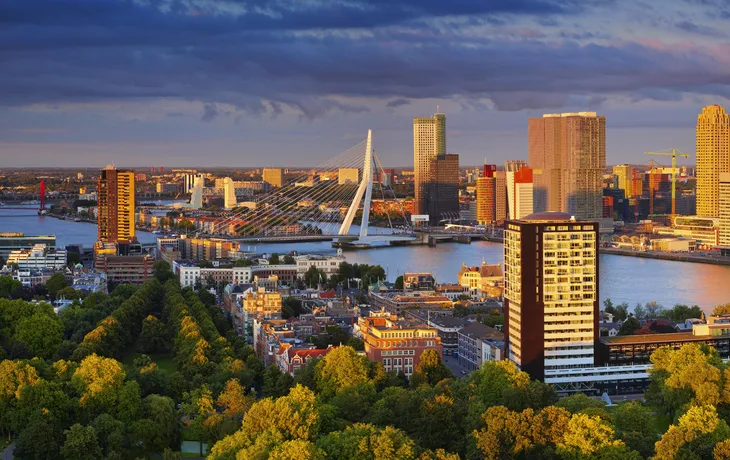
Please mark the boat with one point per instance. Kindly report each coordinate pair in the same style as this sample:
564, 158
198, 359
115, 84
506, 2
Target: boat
78, 219
62, 218
156, 232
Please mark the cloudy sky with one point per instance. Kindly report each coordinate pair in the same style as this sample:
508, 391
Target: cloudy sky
245, 83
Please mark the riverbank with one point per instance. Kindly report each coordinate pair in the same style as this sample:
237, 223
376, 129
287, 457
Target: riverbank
679, 257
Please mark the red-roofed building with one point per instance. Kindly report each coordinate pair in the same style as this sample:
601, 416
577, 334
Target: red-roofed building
290, 359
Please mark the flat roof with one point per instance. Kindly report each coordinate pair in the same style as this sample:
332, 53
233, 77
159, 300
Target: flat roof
649, 338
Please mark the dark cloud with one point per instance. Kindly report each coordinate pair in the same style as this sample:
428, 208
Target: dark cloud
692, 27
210, 111
265, 57
398, 102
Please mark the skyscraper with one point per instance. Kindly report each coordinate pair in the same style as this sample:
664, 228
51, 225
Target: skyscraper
229, 193
724, 209
273, 176
550, 292
116, 206
442, 189
568, 155
491, 191
429, 141
519, 192
713, 157
625, 176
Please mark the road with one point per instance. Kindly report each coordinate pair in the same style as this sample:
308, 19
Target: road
452, 362
7, 454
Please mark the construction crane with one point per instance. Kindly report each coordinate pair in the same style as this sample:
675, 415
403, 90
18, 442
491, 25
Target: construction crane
674, 153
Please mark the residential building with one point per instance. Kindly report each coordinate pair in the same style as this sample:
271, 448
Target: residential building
89, 282
125, 269
189, 274
206, 248
414, 281
229, 193
455, 292
519, 192
167, 187
724, 209
274, 177
713, 157
551, 293
470, 343
442, 188
348, 176
493, 349
567, 153
477, 277
30, 278
262, 303
116, 206
397, 343
396, 301
38, 257
291, 358
429, 141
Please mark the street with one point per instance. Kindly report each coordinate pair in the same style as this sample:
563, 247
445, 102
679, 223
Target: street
452, 362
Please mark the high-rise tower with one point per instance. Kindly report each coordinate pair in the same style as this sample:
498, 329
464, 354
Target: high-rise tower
567, 153
116, 205
550, 292
429, 141
713, 157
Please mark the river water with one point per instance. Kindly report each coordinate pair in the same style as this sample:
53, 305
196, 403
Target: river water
622, 278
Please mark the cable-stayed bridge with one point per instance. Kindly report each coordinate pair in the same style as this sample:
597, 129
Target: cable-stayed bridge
330, 202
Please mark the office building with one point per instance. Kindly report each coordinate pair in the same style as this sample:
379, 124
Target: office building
397, 343
519, 192
116, 206
229, 193
713, 157
348, 176
274, 177
724, 209
491, 192
429, 141
442, 189
262, 303
567, 153
625, 178
550, 292
125, 269
15, 241
38, 257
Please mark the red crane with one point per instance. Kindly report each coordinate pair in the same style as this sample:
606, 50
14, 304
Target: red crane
43, 195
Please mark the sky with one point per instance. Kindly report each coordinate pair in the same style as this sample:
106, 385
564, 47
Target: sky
250, 83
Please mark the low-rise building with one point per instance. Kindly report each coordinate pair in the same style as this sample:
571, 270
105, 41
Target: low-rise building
418, 281
262, 303
292, 358
483, 281
30, 278
13, 241
397, 343
447, 327
90, 282
470, 343
40, 256
125, 269
492, 350
397, 301
453, 291
329, 265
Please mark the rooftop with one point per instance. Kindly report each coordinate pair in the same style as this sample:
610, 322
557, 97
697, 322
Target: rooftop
649, 338
548, 216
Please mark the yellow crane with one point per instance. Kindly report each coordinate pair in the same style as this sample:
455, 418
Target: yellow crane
674, 153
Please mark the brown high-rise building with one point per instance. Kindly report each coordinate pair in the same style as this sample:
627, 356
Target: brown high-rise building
273, 177
429, 141
713, 158
116, 206
568, 155
491, 191
550, 293
442, 189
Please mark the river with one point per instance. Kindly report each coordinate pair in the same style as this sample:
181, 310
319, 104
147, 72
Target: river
622, 279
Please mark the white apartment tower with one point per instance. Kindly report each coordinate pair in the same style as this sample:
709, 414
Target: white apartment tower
550, 292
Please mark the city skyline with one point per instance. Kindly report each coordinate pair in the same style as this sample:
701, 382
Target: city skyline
178, 82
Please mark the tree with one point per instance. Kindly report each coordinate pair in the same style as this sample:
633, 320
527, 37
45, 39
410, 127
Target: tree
73, 258
55, 283
639, 312
695, 436
680, 313
40, 333
588, 435
99, 381
81, 443
234, 401
153, 338
654, 310
363, 441
291, 307
162, 271
356, 343
274, 259
494, 378
721, 310
199, 406
289, 260
722, 450
160, 410
243, 263
579, 402
69, 293
399, 282
634, 426
341, 368
312, 276
621, 312
8, 285
608, 306
430, 370
630, 326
